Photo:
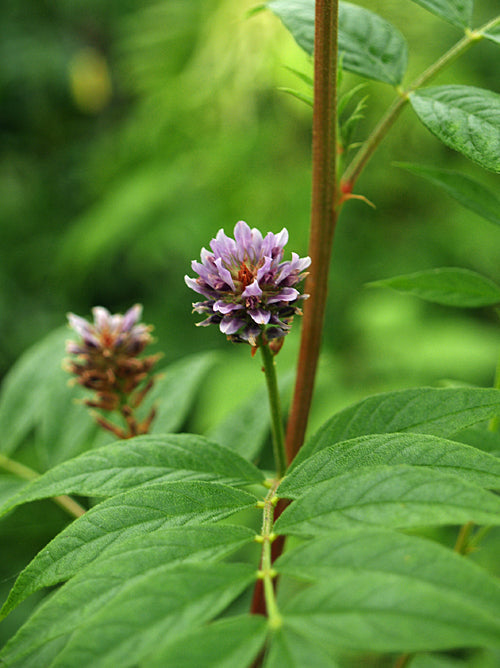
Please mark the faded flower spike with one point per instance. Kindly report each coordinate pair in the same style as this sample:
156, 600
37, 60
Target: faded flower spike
106, 362
249, 289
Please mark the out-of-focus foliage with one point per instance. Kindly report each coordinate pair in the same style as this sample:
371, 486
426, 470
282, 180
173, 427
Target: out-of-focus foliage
132, 131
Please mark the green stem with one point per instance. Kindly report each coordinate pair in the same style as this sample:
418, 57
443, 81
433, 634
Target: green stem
323, 217
68, 504
275, 407
364, 154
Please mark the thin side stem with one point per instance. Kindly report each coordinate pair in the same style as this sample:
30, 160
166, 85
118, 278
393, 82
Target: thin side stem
68, 504
370, 145
275, 407
323, 216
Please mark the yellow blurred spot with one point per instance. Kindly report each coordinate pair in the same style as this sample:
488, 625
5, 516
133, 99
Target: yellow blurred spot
90, 81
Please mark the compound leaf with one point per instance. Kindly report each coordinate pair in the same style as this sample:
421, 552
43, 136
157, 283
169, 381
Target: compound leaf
123, 465
448, 286
397, 496
426, 410
436, 453
465, 118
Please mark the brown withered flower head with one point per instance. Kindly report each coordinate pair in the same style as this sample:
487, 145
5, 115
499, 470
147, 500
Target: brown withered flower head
106, 360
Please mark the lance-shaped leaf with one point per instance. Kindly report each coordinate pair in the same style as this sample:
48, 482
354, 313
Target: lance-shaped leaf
293, 648
79, 626
226, 643
369, 45
425, 410
123, 465
436, 453
465, 118
378, 591
493, 32
133, 513
379, 550
398, 496
136, 554
449, 286
457, 12
469, 192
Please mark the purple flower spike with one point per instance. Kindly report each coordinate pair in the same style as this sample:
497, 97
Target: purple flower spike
248, 287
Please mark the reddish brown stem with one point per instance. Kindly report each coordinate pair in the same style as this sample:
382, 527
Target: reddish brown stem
323, 217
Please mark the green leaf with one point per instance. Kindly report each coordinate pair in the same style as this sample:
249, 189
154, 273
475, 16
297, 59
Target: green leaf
123, 465
493, 33
397, 496
134, 513
470, 193
414, 449
376, 590
379, 550
369, 45
23, 389
81, 626
291, 647
173, 393
457, 12
441, 412
226, 643
465, 118
448, 286
135, 555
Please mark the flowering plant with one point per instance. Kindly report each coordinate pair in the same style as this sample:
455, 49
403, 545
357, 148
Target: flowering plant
249, 289
251, 545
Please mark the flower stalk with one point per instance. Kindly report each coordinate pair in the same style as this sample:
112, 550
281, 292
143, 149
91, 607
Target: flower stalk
278, 434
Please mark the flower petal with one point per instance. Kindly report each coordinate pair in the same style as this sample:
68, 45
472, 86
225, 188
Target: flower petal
259, 316
252, 290
285, 295
230, 325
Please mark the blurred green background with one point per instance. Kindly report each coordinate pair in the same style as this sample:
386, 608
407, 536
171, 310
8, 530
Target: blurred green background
132, 131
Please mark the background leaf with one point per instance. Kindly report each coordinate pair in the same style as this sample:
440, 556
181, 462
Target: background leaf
370, 46
465, 118
22, 396
127, 464
397, 496
134, 513
441, 412
448, 286
470, 193
174, 392
457, 12
291, 647
413, 449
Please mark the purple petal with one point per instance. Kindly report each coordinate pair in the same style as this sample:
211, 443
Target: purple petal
252, 290
224, 273
225, 308
101, 317
230, 325
259, 316
285, 295
264, 273
132, 316
243, 237
83, 328
194, 285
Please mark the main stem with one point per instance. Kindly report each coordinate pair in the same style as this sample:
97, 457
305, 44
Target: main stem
323, 217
